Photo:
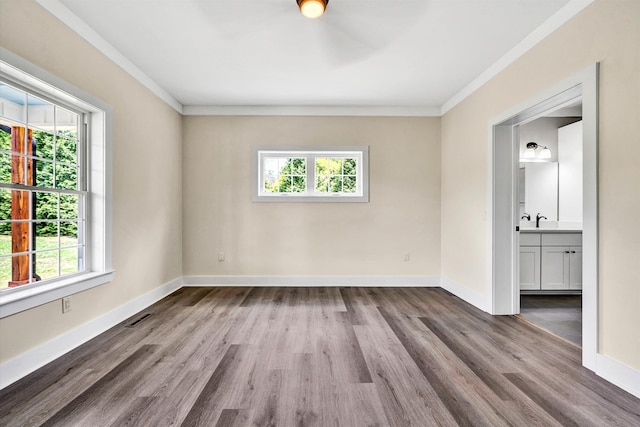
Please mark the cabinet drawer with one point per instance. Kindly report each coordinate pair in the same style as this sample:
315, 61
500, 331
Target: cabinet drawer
529, 239
562, 239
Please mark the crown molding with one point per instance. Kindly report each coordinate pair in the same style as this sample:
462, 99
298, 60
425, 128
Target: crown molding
555, 21
60, 11
308, 110
72, 21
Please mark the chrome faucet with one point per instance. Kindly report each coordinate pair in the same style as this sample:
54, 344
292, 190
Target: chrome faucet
526, 215
538, 218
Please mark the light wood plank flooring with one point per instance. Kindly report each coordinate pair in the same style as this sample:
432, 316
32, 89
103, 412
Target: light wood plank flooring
318, 357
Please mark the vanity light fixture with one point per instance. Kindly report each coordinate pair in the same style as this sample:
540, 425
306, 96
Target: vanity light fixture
312, 8
530, 152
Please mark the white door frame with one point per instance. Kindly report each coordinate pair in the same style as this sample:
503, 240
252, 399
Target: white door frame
503, 183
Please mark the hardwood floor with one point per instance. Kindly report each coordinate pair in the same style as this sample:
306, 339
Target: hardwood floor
318, 357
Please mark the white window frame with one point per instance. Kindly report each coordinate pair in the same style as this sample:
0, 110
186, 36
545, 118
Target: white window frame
361, 153
24, 74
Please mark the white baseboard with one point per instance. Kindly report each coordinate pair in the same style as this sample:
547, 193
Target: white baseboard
472, 297
374, 281
27, 362
618, 374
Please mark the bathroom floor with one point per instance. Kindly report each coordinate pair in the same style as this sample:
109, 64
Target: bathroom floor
560, 314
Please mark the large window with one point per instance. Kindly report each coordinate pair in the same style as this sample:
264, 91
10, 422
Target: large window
42, 189
54, 188
312, 174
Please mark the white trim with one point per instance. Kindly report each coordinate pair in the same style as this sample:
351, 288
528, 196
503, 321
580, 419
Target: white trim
585, 84
27, 362
558, 19
620, 375
464, 293
70, 19
30, 297
590, 241
64, 14
304, 281
308, 110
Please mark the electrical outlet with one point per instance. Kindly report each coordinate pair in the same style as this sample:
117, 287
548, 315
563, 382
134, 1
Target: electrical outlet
407, 256
66, 304
221, 256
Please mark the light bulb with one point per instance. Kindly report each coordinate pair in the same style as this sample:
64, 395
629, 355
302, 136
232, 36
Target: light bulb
312, 8
529, 153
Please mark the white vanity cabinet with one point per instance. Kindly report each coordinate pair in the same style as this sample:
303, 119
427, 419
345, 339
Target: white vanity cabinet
550, 261
530, 261
561, 265
575, 268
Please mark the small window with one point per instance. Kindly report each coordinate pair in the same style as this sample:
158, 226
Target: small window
312, 175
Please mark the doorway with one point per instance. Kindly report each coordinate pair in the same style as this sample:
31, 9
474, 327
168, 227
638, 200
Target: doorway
550, 212
504, 228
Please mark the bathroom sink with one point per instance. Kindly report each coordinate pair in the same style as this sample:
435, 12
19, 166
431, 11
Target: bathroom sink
544, 225
551, 226
548, 225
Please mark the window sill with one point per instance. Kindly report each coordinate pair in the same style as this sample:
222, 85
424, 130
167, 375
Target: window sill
17, 300
308, 199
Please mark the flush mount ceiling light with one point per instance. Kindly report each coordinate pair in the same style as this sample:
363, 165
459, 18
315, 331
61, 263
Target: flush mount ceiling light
312, 8
530, 152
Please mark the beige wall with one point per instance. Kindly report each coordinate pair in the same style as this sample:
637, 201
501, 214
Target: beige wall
607, 31
312, 239
147, 216
440, 216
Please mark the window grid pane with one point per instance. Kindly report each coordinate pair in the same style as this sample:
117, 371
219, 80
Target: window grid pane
336, 175
40, 114
14, 103
285, 174
44, 144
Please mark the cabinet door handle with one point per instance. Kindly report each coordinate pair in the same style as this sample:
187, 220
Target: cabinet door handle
567, 252
573, 252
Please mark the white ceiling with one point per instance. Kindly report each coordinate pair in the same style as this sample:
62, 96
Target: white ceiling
392, 53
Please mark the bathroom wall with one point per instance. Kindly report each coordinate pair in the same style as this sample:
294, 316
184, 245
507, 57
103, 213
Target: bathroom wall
544, 131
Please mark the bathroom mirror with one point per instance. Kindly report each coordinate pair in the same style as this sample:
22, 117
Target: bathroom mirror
539, 189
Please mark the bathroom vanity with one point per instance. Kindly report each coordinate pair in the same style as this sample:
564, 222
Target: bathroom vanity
551, 260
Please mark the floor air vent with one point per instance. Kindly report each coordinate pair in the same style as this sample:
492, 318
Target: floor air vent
135, 322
